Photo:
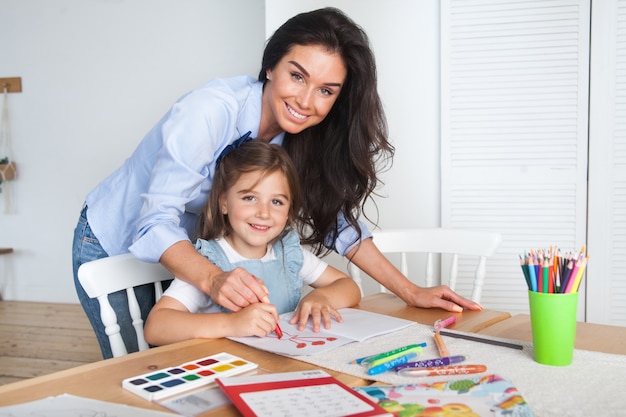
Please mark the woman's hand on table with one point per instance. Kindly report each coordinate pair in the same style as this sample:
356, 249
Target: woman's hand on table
370, 260
440, 296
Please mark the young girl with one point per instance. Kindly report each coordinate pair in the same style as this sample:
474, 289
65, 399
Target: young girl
248, 223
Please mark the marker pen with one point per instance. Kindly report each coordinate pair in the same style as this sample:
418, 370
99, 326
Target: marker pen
371, 363
385, 366
427, 363
440, 324
368, 360
443, 370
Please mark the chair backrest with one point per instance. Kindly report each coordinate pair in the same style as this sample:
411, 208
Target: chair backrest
104, 276
453, 242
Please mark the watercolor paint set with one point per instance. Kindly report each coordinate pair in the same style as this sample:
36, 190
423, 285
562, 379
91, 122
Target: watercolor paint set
189, 375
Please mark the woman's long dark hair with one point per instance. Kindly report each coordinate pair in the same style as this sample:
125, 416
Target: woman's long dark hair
338, 159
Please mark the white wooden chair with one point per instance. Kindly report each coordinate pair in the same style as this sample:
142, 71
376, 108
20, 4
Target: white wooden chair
104, 276
450, 242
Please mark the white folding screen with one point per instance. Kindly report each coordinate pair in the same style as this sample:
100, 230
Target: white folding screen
607, 165
514, 119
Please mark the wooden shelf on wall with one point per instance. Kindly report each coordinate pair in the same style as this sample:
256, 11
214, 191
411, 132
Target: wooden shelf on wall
12, 84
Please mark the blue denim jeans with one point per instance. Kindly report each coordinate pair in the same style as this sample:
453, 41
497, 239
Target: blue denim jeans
85, 248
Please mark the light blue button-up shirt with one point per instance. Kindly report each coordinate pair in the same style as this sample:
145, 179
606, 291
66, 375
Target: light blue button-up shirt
154, 199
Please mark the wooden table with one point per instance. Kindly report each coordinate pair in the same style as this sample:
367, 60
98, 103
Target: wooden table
102, 380
589, 336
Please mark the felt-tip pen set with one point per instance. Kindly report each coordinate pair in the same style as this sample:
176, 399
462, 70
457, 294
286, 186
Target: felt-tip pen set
404, 360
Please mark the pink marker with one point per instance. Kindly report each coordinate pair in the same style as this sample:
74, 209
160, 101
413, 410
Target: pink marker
440, 324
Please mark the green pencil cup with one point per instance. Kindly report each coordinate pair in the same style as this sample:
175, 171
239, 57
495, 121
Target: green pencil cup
553, 321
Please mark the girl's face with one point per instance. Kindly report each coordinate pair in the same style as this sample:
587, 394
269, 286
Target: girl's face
257, 211
301, 90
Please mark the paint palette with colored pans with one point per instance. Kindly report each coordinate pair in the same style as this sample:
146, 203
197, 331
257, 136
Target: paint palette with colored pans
176, 379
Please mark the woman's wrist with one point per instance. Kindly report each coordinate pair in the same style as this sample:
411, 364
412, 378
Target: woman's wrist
208, 279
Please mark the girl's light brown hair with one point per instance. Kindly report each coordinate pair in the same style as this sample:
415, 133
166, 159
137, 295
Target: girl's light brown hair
252, 156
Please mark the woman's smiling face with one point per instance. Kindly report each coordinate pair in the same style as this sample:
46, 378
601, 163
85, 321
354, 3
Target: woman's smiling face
301, 89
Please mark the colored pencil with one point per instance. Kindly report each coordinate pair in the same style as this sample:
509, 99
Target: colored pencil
574, 283
549, 272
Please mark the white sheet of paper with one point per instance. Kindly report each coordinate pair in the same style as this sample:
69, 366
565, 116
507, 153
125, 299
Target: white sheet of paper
358, 325
72, 406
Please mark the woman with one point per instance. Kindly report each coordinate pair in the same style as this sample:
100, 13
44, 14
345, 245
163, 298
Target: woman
315, 94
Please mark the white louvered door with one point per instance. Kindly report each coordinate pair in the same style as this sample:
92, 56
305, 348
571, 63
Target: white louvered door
514, 119
606, 301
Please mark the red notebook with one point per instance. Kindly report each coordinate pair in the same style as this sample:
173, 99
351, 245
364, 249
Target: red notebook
297, 394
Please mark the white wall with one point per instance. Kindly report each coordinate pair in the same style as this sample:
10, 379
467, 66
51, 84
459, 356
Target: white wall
96, 75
